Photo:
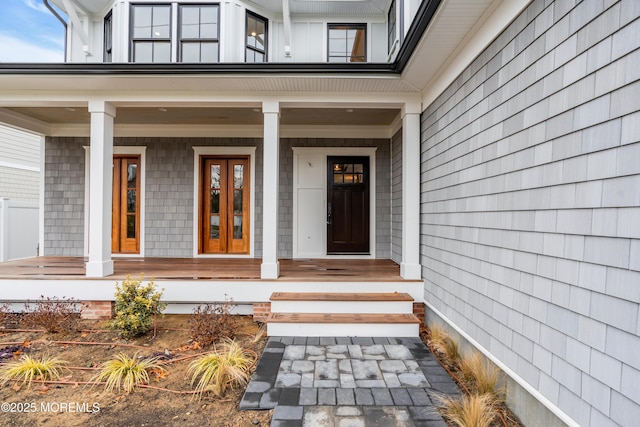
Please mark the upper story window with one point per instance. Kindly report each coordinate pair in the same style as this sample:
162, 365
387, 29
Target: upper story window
347, 43
256, 41
108, 37
391, 26
199, 29
151, 33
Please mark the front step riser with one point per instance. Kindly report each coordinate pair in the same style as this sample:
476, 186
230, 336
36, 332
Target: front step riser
382, 307
343, 330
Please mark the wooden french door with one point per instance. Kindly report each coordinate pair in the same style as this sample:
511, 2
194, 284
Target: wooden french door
224, 206
125, 226
347, 205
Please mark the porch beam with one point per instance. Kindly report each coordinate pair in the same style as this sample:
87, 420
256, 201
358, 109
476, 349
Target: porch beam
100, 263
410, 266
270, 268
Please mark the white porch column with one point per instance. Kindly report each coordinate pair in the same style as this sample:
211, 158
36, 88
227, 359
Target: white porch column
410, 265
270, 268
100, 177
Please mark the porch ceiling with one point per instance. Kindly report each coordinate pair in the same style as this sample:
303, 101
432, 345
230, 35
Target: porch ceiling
157, 115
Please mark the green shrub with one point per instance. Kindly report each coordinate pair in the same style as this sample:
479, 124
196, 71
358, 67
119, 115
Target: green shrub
136, 305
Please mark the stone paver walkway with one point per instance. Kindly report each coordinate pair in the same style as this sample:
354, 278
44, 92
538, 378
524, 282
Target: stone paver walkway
348, 381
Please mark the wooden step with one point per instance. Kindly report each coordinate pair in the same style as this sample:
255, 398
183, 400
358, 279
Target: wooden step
341, 318
341, 302
340, 296
343, 324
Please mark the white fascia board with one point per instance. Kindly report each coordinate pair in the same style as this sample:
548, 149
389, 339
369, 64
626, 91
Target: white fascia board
481, 36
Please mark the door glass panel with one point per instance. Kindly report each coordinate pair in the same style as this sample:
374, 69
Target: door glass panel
131, 201
131, 226
237, 201
337, 177
238, 176
237, 227
215, 176
132, 172
215, 201
215, 227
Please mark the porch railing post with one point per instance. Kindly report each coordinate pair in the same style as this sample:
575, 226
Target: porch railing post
270, 268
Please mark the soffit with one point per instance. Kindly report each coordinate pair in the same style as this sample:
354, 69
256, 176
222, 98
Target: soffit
217, 116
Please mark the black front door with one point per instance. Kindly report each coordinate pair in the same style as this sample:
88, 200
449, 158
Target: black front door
347, 205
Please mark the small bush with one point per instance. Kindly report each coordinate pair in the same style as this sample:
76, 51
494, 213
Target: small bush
211, 322
29, 369
135, 307
467, 411
126, 372
52, 314
6, 315
226, 366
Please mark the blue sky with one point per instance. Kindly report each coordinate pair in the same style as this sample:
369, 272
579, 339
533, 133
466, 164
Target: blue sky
29, 32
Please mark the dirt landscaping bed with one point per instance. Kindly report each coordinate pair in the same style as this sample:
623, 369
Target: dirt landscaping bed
167, 400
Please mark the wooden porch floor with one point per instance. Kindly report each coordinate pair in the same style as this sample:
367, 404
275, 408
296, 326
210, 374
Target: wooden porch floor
70, 268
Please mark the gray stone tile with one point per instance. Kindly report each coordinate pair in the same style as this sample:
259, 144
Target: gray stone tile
387, 417
370, 383
315, 352
363, 396
250, 400
289, 397
399, 352
355, 351
412, 366
338, 348
308, 396
285, 367
380, 340
351, 422
327, 396
345, 366
313, 340
302, 366
286, 340
362, 340
345, 396
347, 381
419, 397
343, 340
300, 340
286, 423
427, 413
366, 370
294, 352
412, 379
391, 380
382, 396
326, 383
401, 397
258, 386
282, 412
448, 387
327, 370
348, 411
269, 400
327, 340
319, 416
288, 380
373, 350
307, 380
395, 366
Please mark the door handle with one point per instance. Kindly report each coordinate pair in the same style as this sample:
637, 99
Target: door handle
328, 213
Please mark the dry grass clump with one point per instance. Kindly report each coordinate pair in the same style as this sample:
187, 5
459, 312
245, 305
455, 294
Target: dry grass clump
469, 411
444, 344
126, 372
29, 369
227, 366
482, 376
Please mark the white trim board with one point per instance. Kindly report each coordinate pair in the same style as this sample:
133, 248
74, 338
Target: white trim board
224, 151
317, 215
117, 150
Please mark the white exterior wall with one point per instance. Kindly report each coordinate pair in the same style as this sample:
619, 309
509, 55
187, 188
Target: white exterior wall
531, 207
308, 34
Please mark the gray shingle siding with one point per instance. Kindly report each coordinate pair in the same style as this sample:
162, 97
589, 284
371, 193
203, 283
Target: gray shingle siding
530, 197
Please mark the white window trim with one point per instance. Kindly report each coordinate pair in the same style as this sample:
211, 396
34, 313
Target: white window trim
328, 152
224, 151
117, 150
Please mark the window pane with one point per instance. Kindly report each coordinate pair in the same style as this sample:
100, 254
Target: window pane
238, 177
131, 226
143, 52
190, 52
142, 22
190, 22
132, 172
208, 52
215, 176
161, 21
209, 22
347, 43
237, 201
161, 52
337, 177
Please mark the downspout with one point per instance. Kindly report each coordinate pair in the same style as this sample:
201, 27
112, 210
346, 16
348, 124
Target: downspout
62, 21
